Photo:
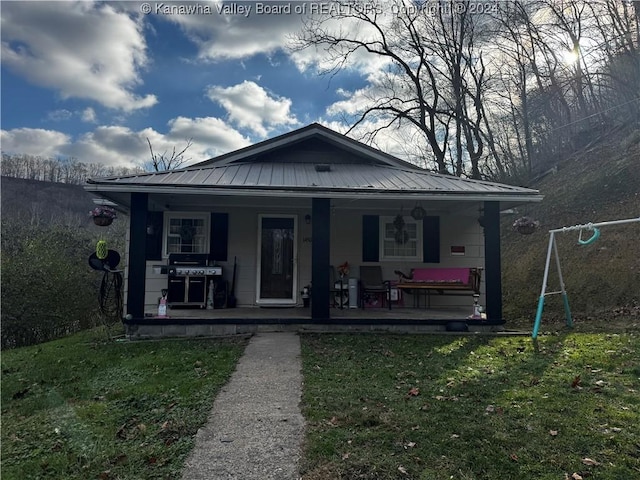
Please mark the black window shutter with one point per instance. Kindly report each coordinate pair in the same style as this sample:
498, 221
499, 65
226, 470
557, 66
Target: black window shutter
219, 237
154, 235
370, 238
431, 239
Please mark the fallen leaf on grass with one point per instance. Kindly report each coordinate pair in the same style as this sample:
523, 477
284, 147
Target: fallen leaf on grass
403, 470
553, 433
576, 476
576, 382
589, 461
413, 392
409, 445
345, 456
513, 457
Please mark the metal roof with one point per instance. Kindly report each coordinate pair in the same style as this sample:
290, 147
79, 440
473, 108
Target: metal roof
297, 177
290, 165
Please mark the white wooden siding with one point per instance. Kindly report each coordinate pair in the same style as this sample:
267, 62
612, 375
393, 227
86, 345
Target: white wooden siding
346, 245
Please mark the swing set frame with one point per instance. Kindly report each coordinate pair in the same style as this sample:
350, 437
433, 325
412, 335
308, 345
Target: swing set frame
592, 227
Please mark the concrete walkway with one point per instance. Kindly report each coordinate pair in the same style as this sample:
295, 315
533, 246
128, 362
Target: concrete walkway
255, 429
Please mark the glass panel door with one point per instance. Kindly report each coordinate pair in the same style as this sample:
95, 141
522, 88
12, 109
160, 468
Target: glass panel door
277, 263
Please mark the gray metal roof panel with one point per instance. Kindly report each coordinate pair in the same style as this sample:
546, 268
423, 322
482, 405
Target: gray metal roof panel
303, 175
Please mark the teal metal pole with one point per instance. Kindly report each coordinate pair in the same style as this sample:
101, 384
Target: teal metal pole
536, 325
567, 310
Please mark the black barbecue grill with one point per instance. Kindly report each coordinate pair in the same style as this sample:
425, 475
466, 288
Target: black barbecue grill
190, 277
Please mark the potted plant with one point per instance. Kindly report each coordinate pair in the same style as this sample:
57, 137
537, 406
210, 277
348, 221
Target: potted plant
343, 270
525, 225
103, 215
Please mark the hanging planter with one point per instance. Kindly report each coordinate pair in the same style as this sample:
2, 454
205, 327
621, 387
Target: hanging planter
102, 220
525, 225
103, 216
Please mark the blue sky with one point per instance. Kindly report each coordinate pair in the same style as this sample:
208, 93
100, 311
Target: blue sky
94, 80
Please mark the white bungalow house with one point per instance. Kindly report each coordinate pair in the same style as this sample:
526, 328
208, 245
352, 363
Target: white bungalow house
288, 208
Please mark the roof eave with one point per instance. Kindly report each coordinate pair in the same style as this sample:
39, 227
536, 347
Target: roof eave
321, 192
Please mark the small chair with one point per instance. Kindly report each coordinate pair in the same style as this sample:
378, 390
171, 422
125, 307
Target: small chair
371, 283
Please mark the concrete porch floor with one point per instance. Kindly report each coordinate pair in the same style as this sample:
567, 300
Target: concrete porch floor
248, 320
288, 313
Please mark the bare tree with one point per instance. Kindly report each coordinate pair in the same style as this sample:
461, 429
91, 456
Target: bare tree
60, 170
432, 81
164, 161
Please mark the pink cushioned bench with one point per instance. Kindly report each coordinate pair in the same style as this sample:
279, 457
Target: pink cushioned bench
444, 280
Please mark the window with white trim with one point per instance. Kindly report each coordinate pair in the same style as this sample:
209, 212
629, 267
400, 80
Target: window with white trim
186, 233
400, 244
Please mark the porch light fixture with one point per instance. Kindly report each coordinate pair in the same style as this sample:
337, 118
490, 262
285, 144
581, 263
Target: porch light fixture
307, 219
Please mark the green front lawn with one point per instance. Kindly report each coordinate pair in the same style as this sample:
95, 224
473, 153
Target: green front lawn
470, 407
377, 406
81, 408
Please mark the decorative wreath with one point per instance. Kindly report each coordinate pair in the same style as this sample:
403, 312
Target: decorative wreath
401, 236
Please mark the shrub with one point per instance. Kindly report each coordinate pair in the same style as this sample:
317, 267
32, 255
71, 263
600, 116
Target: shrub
48, 288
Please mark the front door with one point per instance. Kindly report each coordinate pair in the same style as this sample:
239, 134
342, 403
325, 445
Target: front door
277, 266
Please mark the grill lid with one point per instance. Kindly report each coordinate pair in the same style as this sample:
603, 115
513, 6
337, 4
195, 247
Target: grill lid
188, 259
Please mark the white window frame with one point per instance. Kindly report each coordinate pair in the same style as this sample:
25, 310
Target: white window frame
168, 216
384, 220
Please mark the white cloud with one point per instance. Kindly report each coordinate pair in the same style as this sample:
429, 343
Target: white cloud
81, 49
250, 106
89, 115
59, 115
122, 147
234, 36
32, 141
209, 132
